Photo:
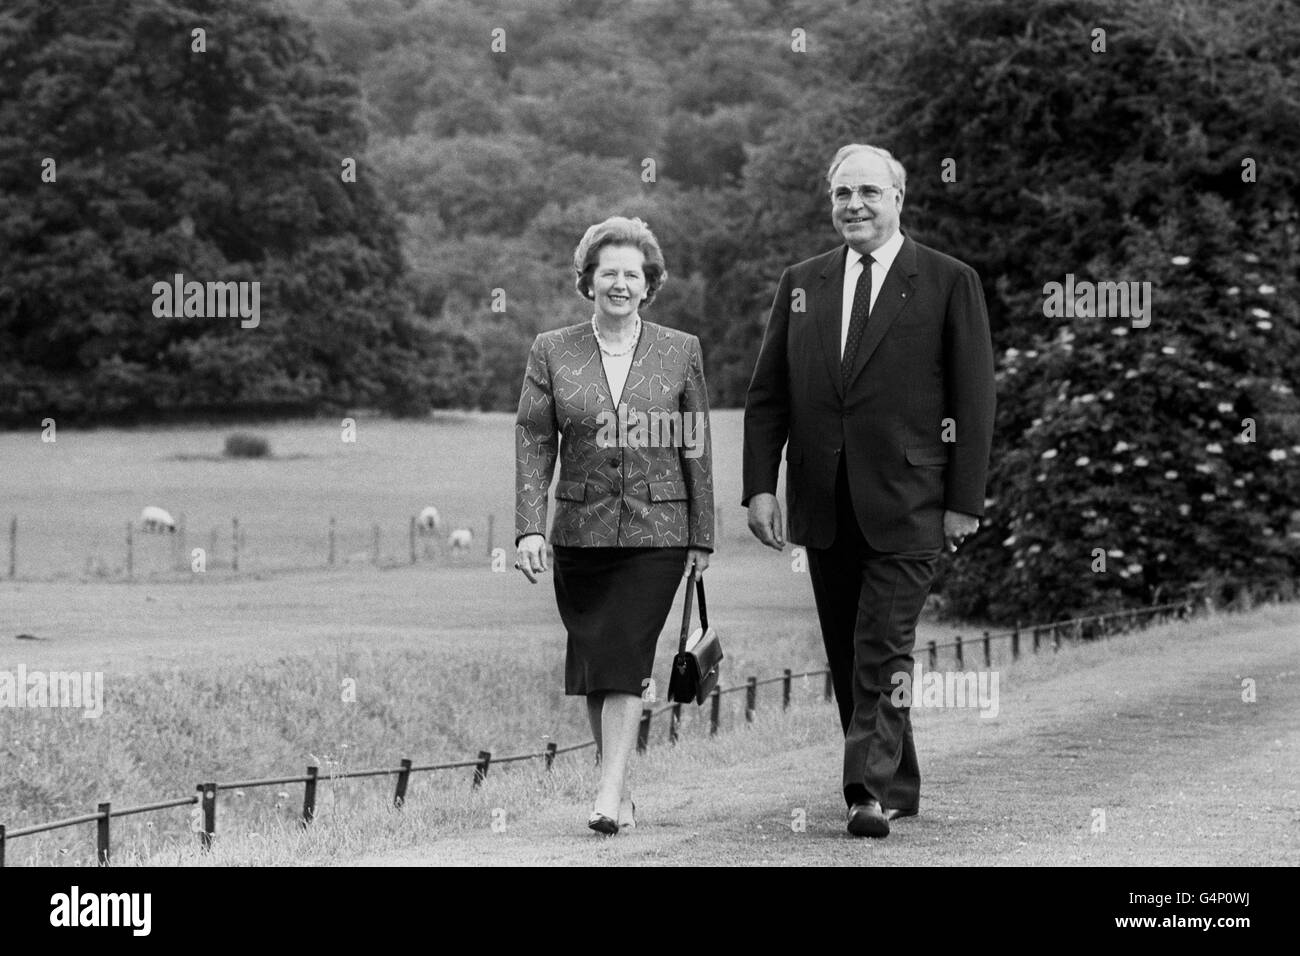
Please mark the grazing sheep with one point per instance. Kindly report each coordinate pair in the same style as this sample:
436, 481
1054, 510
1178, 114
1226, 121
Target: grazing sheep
429, 522
154, 520
460, 540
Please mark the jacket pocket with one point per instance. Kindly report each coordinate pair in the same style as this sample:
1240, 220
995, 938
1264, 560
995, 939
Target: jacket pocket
935, 455
571, 490
667, 491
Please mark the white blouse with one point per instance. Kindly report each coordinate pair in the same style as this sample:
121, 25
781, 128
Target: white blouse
616, 369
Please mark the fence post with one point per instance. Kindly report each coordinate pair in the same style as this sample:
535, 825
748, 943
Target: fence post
403, 777
550, 754
1056, 637
481, 771
643, 732
208, 803
491, 522
1036, 635
234, 544
674, 722
828, 692
2, 845
102, 850
960, 661
715, 713
330, 560
988, 650
934, 656
1015, 643
412, 537
751, 699
180, 558
130, 552
309, 796
13, 556
785, 689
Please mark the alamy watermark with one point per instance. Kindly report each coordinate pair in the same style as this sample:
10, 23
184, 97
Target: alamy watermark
83, 690
946, 689
629, 428
1103, 300
179, 299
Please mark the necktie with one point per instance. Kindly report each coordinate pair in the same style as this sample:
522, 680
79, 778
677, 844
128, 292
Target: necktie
857, 319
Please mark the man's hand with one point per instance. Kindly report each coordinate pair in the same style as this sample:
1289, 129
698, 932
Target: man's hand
696, 558
958, 525
765, 520
530, 553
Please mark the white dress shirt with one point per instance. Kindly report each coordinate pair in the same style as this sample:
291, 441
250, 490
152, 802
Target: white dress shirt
884, 257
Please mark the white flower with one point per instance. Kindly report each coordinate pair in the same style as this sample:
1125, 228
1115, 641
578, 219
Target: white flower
1134, 568
1140, 461
1131, 373
1119, 330
1171, 475
1204, 469
1088, 513
1121, 446
1250, 257
1261, 313
1238, 483
1035, 548
1277, 454
1082, 460
1224, 407
1107, 395
1180, 260
1207, 497
1184, 510
1012, 353
1117, 468
1169, 350
1009, 541
1233, 290
1214, 448
1050, 453
1032, 353
1114, 553
1266, 290
1264, 324
1088, 398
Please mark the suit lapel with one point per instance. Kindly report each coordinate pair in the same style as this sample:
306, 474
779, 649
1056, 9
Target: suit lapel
895, 295
829, 299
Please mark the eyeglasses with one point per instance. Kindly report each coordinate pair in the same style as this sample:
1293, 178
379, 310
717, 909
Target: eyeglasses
871, 194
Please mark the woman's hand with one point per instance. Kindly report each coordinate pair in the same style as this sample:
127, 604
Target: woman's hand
530, 553
697, 558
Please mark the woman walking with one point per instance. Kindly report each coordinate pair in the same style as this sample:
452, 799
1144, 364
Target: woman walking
622, 404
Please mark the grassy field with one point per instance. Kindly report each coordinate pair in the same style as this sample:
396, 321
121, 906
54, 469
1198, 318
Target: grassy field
233, 676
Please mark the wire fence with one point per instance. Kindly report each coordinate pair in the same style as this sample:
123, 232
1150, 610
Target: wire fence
204, 801
159, 550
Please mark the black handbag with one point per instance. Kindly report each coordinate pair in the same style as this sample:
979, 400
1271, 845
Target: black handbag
695, 670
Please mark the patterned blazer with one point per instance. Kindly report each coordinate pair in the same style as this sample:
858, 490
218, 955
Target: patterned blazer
639, 475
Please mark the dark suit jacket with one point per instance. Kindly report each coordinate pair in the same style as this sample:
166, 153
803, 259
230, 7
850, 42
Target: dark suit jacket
926, 356
644, 492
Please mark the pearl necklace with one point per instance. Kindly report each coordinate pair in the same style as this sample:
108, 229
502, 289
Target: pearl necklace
636, 337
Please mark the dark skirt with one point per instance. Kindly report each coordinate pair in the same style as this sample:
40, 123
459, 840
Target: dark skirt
614, 602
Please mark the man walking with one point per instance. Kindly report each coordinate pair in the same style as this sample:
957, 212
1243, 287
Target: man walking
877, 368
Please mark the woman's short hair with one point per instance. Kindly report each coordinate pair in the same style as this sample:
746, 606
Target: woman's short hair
619, 231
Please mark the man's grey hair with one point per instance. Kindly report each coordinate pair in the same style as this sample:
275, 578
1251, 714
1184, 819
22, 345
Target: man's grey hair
895, 167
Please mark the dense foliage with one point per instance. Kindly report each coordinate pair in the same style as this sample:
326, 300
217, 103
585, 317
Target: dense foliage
488, 134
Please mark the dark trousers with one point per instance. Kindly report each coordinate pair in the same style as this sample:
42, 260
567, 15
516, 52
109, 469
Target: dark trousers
868, 602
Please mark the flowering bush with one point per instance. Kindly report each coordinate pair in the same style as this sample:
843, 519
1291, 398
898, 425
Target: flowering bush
1133, 464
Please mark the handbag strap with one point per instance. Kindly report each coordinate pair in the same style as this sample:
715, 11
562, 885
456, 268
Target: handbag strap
698, 582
